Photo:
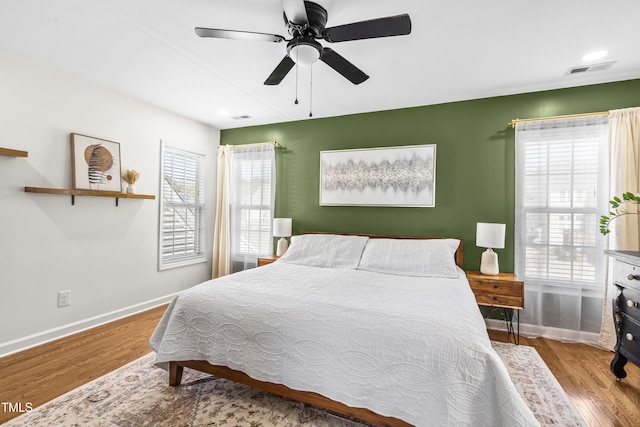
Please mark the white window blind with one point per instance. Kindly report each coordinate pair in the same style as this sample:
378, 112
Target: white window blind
561, 190
182, 208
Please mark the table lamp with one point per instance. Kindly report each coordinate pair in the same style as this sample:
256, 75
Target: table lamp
282, 229
490, 236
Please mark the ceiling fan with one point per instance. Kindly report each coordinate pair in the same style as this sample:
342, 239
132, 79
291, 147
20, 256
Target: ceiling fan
305, 21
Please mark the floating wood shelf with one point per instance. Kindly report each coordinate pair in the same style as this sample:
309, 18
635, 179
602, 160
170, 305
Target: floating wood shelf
92, 193
13, 153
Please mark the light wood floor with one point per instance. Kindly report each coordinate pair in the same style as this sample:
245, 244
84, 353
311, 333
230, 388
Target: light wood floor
42, 373
584, 374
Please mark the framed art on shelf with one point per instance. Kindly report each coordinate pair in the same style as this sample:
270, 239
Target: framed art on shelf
403, 176
95, 164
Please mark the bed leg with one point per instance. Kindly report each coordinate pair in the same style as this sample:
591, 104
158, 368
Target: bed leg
175, 374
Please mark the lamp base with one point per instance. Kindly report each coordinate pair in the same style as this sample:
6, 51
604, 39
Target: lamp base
283, 245
489, 264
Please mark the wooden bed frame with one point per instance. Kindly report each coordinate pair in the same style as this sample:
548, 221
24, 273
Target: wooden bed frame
176, 369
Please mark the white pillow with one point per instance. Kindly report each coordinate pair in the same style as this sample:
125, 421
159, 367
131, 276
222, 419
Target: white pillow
325, 250
411, 257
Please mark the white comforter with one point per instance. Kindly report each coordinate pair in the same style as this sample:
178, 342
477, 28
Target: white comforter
413, 348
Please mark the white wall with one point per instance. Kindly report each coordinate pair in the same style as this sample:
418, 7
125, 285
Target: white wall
106, 255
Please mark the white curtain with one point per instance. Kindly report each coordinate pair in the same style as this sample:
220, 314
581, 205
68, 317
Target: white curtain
245, 206
253, 190
222, 231
624, 171
561, 191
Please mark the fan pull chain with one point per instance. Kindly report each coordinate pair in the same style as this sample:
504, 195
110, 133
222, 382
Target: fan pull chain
296, 101
311, 92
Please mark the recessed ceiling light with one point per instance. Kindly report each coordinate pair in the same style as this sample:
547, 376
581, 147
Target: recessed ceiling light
223, 112
594, 56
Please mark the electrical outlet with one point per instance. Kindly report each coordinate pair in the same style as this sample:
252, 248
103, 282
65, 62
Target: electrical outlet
64, 298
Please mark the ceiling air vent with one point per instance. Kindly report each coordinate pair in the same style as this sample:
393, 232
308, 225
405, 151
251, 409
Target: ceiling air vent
589, 68
241, 117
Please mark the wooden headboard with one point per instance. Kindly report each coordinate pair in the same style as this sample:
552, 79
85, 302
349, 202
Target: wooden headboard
457, 255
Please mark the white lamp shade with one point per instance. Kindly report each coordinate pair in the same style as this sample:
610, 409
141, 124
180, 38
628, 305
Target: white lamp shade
490, 235
282, 227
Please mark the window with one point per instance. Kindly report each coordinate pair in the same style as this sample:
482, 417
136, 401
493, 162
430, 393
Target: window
561, 191
182, 208
252, 204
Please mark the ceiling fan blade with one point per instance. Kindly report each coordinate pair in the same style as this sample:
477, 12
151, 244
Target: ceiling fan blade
280, 72
295, 11
238, 35
342, 66
398, 25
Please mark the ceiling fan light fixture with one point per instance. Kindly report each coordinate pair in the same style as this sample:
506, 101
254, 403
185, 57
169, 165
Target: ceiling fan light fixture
304, 51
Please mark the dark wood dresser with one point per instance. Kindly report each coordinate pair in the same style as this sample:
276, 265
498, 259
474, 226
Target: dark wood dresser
626, 309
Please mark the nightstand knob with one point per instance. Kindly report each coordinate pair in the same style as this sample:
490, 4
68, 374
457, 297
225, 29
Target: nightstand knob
629, 337
631, 303
495, 286
632, 277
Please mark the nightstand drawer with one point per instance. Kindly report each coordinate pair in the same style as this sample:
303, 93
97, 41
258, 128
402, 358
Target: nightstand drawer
630, 335
500, 288
500, 300
629, 301
498, 292
627, 275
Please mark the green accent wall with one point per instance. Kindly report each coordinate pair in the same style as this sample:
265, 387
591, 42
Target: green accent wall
475, 161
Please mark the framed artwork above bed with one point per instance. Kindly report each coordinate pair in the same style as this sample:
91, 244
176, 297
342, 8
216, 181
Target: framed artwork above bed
403, 176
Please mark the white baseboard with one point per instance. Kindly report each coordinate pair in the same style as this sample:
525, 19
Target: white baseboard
20, 344
532, 331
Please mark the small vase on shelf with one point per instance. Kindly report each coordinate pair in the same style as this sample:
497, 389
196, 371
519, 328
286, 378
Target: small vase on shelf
130, 178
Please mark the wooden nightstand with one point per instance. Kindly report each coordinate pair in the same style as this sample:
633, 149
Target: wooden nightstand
504, 291
267, 260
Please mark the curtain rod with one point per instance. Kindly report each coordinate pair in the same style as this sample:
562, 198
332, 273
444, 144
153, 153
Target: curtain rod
274, 143
513, 122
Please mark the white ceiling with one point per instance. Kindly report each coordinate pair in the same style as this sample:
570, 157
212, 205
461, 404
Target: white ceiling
458, 49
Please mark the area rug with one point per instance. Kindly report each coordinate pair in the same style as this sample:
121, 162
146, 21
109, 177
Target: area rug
138, 395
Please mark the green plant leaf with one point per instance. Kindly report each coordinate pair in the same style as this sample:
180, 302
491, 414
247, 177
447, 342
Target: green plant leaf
616, 202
